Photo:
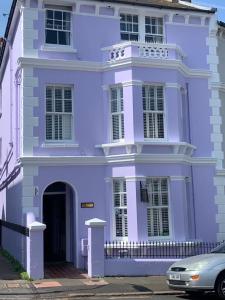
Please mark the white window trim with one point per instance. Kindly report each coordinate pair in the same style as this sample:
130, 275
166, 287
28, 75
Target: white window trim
164, 114
118, 238
141, 23
61, 142
57, 47
122, 140
131, 32
170, 236
157, 35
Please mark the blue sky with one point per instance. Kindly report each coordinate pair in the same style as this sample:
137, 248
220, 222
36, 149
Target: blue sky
5, 7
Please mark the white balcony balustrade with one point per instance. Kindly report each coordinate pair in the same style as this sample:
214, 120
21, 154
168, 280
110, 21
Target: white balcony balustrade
126, 50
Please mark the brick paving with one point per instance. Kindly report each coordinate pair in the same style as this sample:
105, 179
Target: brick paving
63, 270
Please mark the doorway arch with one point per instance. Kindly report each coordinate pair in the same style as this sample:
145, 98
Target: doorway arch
58, 216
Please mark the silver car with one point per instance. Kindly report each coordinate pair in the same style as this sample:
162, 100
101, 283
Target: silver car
199, 273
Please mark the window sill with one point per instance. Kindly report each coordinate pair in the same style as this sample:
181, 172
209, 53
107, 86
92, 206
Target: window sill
56, 48
52, 145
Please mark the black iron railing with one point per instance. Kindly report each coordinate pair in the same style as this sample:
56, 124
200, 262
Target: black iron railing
157, 249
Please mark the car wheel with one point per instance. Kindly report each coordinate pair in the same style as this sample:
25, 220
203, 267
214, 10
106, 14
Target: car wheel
220, 286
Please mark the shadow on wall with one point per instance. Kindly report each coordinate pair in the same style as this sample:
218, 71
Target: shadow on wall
12, 241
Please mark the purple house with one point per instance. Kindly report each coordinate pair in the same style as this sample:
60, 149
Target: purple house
110, 110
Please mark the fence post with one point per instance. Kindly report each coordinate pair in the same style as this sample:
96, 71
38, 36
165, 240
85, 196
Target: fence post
95, 247
35, 251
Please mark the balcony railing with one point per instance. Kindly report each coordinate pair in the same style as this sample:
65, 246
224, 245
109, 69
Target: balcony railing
133, 49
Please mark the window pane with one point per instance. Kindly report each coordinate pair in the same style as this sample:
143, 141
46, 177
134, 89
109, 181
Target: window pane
120, 207
124, 36
135, 19
49, 105
153, 107
64, 38
157, 213
66, 16
51, 37
58, 25
67, 93
114, 106
68, 106
133, 37
58, 93
48, 92
115, 125
67, 130
122, 16
48, 127
49, 24
160, 123
66, 26
49, 14
58, 106
135, 28
58, 15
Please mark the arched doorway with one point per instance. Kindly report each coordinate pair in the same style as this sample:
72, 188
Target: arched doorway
58, 208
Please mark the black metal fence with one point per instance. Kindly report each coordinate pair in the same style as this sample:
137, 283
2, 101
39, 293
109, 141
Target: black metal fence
157, 249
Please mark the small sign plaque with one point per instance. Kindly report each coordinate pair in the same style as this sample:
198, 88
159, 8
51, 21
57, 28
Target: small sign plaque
87, 204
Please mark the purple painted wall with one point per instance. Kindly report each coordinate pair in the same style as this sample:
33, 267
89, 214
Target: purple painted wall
187, 120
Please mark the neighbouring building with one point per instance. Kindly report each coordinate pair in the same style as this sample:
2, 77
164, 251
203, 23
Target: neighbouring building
111, 110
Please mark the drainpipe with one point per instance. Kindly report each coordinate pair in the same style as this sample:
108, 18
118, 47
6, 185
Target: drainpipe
17, 113
11, 92
189, 140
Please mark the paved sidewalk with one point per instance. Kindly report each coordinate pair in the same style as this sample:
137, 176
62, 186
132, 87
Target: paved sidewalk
77, 284
108, 286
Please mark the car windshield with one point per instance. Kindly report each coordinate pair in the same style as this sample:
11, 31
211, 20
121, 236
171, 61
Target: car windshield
219, 249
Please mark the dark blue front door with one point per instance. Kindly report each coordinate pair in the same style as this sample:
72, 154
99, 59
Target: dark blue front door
54, 216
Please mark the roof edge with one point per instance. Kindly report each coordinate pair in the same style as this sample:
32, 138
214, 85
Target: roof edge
221, 23
161, 6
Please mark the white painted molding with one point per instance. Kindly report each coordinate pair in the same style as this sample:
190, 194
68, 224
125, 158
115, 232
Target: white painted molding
58, 49
178, 148
58, 145
173, 85
132, 83
100, 67
177, 178
128, 158
135, 178
95, 223
37, 226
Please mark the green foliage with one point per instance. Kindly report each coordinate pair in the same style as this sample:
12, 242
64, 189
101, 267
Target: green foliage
16, 266
25, 276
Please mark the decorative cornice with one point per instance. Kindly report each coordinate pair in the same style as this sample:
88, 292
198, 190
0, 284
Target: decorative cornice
100, 67
115, 159
177, 147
